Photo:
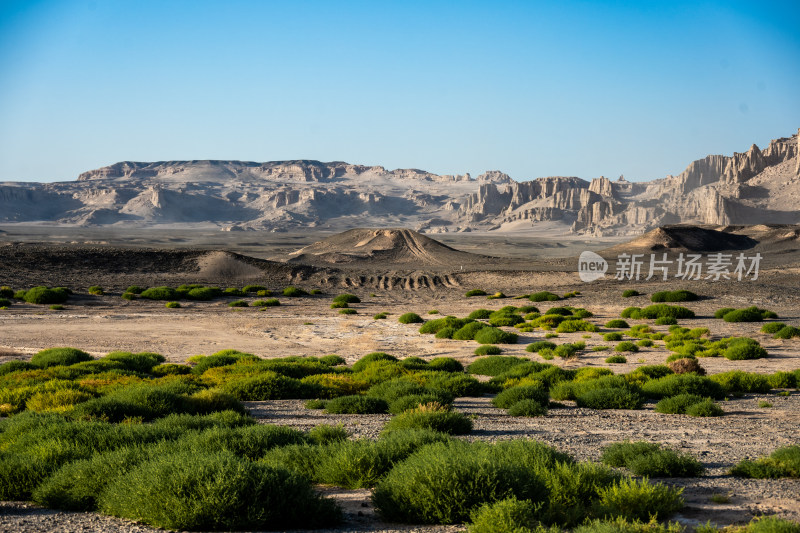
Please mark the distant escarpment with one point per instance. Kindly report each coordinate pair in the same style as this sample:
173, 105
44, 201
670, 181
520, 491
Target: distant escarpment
754, 187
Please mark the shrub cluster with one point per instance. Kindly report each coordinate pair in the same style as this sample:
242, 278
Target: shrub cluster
652, 460
674, 296
749, 314
783, 462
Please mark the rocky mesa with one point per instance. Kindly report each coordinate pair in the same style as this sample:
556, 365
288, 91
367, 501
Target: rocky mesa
758, 186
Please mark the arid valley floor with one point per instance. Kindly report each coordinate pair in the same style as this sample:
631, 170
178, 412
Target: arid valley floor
307, 326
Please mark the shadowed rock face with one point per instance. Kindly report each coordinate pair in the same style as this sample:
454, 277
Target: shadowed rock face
753, 187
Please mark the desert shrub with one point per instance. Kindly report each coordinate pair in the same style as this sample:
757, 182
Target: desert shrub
380, 316
96, 290
43, 295
744, 348
783, 462
445, 333
686, 365
494, 365
527, 408
172, 305
615, 359
626, 346
253, 288
128, 296
445, 364
135, 289
270, 302
222, 358
433, 417
394, 389
630, 292
538, 346
543, 296
475, 292
646, 343
216, 491
414, 401
662, 310
488, 349
677, 405
646, 459
453, 383
778, 380
496, 296
674, 296
738, 382
492, 335
480, 314
772, 327
675, 384
269, 386
639, 500
666, 321
17, 366
610, 398
631, 312
348, 312
238, 303
170, 369
202, 293
566, 350
234, 291
325, 433
468, 331
504, 516
347, 299
410, 318
159, 293
362, 363
771, 524
315, 404
617, 323
294, 292
705, 408
571, 326
502, 319
615, 336
356, 404
509, 397
332, 360
59, 356
749, 314
6, 292
443, 482
720, 313
787, 332
138, 362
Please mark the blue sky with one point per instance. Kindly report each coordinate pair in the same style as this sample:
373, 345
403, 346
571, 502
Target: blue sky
530, 88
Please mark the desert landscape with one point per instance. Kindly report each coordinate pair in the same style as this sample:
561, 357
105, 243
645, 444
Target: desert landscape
435, 267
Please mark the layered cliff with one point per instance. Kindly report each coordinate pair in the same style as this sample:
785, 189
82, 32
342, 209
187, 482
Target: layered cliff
752, 187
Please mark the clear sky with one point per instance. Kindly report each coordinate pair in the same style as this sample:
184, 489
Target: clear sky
639, 88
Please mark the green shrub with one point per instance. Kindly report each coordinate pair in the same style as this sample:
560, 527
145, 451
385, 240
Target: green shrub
615, 359
571, 326
59, 356
505, 516
538, 346
355, 404
674, 296
738, 382
128, 296
772, 524
626, 346
414, 401
159, 293
6, 292
509, 397
348, 312
496, 296
610, 398
612, 336
95, 290
720, 313
410, 318
253, 288
269, 386
216, 491
434, 418
315, 404
492, 335
172, 305
666, 321
480, 314
475, 292
705, 408
783, 462
494, 365
750, 314
772, 327
543, 296
15, 366
233, 291
138, 362
502, 319
639, 500
744, 348
645, 343
675, 384
445, 364
294, 292
202, 293
43, 295
646, 459
271, 302
238, 303
362, 363
468, 331
54, 307
788, 332
170, 370
677, 405
778, 380
324, 434
527, 408
135, 289
630, 292
488, 349
347, 299
617, 323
